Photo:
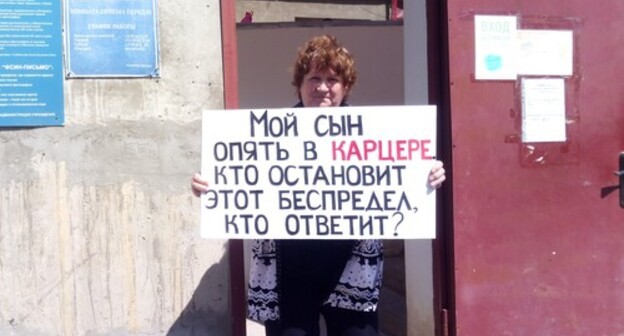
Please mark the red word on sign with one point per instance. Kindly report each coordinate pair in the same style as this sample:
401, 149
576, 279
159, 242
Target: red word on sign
383, 150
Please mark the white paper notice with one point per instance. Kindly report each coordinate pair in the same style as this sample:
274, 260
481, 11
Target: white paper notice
543, 110
545, 52
496, 43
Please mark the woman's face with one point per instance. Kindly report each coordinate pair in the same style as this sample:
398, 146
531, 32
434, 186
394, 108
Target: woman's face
322, 88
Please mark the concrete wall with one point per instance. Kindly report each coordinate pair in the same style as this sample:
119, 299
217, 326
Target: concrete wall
99, 234
267, 54
287, 11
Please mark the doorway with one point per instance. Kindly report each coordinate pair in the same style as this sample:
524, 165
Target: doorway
264, 52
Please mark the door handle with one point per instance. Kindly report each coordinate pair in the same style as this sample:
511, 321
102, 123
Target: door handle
620, 174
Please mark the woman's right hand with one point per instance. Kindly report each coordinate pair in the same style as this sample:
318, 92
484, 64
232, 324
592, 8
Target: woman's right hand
198, 185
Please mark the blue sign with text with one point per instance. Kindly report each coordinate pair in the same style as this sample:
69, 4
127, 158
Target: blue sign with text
111, 38
31, 64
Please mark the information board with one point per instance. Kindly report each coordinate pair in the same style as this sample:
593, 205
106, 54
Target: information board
31, 66
111, 38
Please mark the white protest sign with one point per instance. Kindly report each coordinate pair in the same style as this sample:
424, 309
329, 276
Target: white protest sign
319, 173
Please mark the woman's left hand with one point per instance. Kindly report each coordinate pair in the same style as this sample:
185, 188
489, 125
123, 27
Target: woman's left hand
437, 175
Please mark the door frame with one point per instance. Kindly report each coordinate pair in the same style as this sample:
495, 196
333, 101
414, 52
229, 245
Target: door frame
236, 259
438, 94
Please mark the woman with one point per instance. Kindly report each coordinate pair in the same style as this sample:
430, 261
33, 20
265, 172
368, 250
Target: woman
293, 282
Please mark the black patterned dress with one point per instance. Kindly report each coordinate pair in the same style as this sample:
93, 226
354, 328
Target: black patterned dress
355, 287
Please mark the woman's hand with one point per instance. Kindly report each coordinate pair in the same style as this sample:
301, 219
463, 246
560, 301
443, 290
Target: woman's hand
437, 175
198, 185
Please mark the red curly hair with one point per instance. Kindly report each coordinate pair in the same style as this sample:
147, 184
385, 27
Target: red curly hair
324, 52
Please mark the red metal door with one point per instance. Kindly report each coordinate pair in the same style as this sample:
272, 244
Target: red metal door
538, 231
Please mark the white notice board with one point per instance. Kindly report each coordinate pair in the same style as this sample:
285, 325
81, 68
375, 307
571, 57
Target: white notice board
321, 173
496, 43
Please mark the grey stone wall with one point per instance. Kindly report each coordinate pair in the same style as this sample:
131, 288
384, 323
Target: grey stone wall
287, 11
99, 234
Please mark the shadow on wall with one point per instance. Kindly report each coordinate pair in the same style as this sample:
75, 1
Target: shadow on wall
198, 318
